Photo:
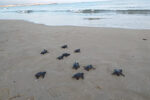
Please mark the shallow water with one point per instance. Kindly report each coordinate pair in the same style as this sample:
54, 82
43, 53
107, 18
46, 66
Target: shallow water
133, 14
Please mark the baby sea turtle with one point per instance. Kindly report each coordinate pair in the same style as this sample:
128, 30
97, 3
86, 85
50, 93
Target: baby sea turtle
60, 57
118, 72
77, 76
88, 67
64, 46
76, 65
44, 52
144, 39
40, 74
65, 54
77, 51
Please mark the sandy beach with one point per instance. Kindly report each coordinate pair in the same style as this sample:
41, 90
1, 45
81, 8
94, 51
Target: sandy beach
105, 48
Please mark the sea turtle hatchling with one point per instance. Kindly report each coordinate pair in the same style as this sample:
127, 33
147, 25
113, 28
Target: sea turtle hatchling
77, 51
65, 54
40, 74
144, 39
88, 67
64, 46
77, 76
76, 65
60, 57
118, 72
44, 52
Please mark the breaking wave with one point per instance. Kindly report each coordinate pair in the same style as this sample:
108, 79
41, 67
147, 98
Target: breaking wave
30, 11
89, 11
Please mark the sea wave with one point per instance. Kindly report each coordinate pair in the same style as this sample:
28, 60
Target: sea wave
89, 11
28, 11
94, 11
134, 11
25, 11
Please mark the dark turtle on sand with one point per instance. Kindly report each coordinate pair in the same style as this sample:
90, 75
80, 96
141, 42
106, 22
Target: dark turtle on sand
65, 54
118, 72
64, 46
40, 74
60, 57
88, 67
77, 51
77, 76
76, 65
144, 39
44, 52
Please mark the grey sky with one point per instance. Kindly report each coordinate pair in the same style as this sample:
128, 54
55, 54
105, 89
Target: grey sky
23, 1
6, 2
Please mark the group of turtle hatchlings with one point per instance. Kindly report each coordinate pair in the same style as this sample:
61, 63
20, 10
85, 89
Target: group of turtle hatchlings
76, 65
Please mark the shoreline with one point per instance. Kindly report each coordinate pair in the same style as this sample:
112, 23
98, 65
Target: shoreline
105, 48
73, 25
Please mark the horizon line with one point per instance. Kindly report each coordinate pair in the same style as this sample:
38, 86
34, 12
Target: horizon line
31, 4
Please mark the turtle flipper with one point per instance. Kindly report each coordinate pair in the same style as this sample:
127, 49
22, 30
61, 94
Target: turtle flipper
122, 74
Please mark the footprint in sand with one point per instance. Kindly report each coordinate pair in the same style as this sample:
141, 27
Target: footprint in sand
54, 94
4, 93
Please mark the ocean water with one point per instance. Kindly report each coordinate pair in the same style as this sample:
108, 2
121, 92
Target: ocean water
133, 14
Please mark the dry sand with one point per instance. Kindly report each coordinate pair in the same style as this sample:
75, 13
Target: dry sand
106, 48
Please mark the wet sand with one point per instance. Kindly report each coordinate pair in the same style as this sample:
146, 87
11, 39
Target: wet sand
105, 48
